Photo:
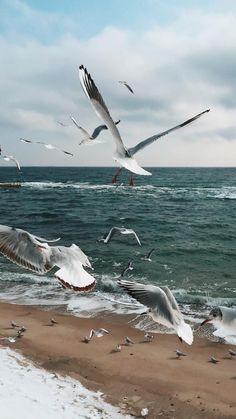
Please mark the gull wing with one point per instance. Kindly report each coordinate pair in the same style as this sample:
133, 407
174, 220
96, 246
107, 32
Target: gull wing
150, 140
8, 158
97, 131
23, 249
136, 236
66, 152
23, 140
111, 233
126, 85
71, 273
152, 297
150, 253
84, 132
100, 107
171, 298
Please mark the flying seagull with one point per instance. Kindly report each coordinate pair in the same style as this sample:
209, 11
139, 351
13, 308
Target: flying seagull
126, 85
12, 158
162, 307
148, 256
62, 124
123, 155
122, 230
48, 146
224, 319
90, 138
95, 332
128, 267
34, 253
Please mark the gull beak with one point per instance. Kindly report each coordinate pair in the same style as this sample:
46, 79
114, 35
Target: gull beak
205, 321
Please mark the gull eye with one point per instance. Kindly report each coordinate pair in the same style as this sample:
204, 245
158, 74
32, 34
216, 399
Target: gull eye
214, 315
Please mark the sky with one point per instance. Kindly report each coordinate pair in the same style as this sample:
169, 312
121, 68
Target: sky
178, 56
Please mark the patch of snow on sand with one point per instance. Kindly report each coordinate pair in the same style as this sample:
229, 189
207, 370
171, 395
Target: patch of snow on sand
28, 392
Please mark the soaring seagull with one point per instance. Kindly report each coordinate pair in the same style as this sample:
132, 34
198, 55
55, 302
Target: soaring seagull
12, 158
48, 146
121, 230
34, 253
123, 155
90, 138
162, 307
126, 85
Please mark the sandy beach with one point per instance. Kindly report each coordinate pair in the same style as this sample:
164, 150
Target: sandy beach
141, 375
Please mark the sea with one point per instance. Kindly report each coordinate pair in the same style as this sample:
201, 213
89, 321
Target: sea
187, 215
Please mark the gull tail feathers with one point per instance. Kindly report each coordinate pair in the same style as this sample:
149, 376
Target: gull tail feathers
185, 332
131, 164
75, 277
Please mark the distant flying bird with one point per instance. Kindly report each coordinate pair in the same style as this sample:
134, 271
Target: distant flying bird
121, 230
179, 354
48, 146
12, 158
162, 307
123, 155
148, 256
62, 124
90, 138
126, 85
34, 253
128, 267
0, 150
23, 140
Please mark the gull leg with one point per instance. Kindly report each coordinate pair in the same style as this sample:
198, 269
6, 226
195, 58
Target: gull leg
131, 182
114, 178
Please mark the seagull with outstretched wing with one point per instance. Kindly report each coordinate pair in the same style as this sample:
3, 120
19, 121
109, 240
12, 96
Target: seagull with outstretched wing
126, 85
121, 230
162, 307
12, 158
91, 139
123, 155
34, 253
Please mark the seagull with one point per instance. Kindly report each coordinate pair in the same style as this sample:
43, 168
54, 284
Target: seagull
123, 155
62, 124
98, 333
232, 353
122, 230
53, 321
148, 256
126, 85
48, 146
14, 324
23, 140
179, 354
90, 138
117, 348
163, 307
22, 329
12, 158
128, 267
224, 319
213, 360
148, 337
34, 253
11, 339
128, 341
19, 334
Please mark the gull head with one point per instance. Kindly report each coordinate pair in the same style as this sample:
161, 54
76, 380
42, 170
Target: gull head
215, 314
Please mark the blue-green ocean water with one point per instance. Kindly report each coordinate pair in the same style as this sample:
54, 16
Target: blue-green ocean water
186, 214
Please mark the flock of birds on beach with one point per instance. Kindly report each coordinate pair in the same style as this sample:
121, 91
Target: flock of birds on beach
38, 255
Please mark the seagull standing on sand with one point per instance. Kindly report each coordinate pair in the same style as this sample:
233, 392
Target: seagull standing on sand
12, 158
48, 146
224, 319
213, 360
148, 337
53, 321
128, 267
163, 307
128, 341
34, 253
14, 324
90, 139
179, 354
123, 155
121, 230
126, 85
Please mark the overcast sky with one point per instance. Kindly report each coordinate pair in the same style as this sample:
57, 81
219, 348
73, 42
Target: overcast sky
179, 57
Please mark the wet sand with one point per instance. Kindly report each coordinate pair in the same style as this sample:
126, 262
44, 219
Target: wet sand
141, 375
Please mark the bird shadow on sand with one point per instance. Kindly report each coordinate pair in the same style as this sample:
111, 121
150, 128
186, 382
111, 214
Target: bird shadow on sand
175, 358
